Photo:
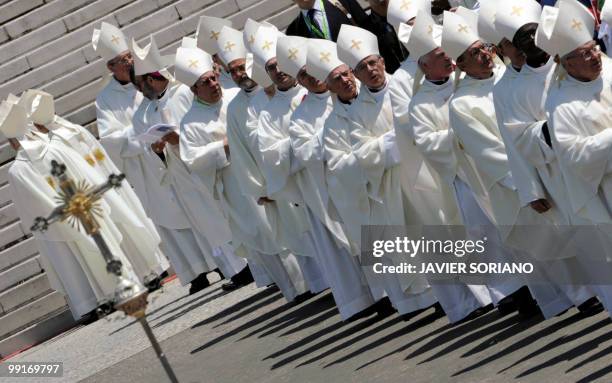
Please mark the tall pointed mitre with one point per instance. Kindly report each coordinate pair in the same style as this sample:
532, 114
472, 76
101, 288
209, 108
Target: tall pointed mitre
424, 36
322, 58
190, 64
149, 59
108, 42
208, 32
13, 120
572, 27
189, 42
401, 11
457, 34
230, 45
39, 106
291, 52
355, 44
513, 14
544, 33
264, 45
486, 21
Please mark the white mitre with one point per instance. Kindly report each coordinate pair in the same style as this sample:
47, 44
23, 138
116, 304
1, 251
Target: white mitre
39, 106
189, 42
109, 42
208, 32
291, 52
264, 45
470, 17
149, 59
248, 33
322, 58
355, 44
513, 14
457, 35
424, 36
13, 120
230, 45
566, 28
546, 25
486, 21
401, 11
190, 64
403, 34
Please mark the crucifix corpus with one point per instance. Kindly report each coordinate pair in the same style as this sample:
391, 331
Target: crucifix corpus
79, 207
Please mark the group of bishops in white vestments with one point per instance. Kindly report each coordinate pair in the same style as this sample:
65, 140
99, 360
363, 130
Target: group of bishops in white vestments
276, 158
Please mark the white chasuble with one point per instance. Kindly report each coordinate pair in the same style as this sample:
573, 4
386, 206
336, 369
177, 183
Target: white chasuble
115, 107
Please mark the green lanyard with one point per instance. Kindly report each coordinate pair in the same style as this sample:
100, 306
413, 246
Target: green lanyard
313, 28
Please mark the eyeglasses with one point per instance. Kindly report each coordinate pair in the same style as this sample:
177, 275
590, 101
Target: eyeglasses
586, 54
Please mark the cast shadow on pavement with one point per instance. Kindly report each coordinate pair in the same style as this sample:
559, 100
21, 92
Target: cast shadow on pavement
323, 301
516, 346
252, 323
243, 304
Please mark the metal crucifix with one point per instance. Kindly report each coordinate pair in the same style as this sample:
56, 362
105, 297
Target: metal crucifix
79, 206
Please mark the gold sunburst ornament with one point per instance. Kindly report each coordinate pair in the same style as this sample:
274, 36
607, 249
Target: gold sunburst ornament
81, 206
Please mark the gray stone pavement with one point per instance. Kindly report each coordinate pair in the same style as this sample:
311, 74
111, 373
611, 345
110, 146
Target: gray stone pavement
252, 335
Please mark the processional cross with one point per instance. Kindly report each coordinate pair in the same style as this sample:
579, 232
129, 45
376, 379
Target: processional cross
79, 206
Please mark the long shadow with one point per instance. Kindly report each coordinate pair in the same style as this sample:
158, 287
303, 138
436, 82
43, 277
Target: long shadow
189, 308
455, 332
561, 341
591, 359
352, 341
242, 305
570, 354
244, 312
326, 342
304, 341
323, 303
514, 330
596, 375
250, 309
150, 319
314, 321
405, 330
208, 293
473, 337
254, 322
554, 327
183, 297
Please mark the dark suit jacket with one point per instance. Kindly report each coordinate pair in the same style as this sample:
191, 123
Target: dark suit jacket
335, 19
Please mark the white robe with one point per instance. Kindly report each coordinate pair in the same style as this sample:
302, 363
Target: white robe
168, 191
242, 121
79, 268
277, 163
579, 118
374, 144
519, 104
144, 254
418, 178
429, 125
333, 252
115, 107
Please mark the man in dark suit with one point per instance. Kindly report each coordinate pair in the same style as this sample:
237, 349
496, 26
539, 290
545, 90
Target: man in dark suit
322, 19
389, 45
